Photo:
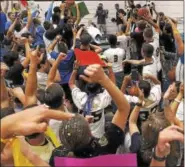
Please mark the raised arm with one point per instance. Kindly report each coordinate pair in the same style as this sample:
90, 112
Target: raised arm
72, 80
157, 29
126, 81
6, 7
53, 70
31, 84
162, 150
96, 48
28, 25
176, 34
78, 18
96, 74
54, 43
79, 33
134, 115
169, 114
174, 106
11, 28
152, 78
4, 91
49, 12
134, 62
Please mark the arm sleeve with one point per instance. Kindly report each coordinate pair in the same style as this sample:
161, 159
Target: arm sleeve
131, 99
105, 99
135, 142
79, 98
155, 93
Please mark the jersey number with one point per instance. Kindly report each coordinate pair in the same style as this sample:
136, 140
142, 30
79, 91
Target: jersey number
115, 58
97, 116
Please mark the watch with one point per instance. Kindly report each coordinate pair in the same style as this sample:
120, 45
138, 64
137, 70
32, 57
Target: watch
156, 157
139, 104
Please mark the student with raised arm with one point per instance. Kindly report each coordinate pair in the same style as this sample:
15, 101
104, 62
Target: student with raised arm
31, 84
92, 101
33, 120
19, 29
162, 150
180, 51
174, 111
79, 128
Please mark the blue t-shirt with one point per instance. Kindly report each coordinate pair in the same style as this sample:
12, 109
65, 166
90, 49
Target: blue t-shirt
8, 24
66, 66
39, 36
3, 21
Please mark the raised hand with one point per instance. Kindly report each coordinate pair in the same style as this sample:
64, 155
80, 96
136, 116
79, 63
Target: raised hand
94, 74
36, 57
62, 56
30, 121
172, 133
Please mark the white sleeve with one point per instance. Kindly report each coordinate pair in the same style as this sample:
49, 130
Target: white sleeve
79, 98
119, 38
155, 93
131, 99
105, 99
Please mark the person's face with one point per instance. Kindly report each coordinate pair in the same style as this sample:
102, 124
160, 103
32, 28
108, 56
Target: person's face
17, 6
30, 39
12, 16
173, 93
46, 67
100, 5
116, 7
70, 22
161, 17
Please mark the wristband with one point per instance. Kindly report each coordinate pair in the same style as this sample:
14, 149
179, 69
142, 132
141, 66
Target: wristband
159, 159
177, 101
139, 104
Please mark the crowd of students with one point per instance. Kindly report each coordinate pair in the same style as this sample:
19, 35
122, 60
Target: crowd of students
51, 106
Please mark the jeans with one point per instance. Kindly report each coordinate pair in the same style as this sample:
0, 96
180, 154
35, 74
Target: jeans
119, 78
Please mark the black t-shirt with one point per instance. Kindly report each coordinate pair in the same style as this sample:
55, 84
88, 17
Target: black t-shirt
108, 144
14, 76
168, 42
138, 36
118, 19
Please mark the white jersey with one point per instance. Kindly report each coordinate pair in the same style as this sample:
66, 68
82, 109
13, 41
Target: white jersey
150, 69
124, 44
100, 102
156, 53
116, 57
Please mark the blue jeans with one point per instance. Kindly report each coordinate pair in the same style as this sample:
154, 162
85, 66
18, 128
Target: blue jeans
119, 78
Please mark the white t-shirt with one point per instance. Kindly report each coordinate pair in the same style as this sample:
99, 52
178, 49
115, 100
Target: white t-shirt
156, 53
55, 125
100, 102
180, 111
42, 80
18, 34
124, 44
116, 57
150, 69
44, 152
155, 97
